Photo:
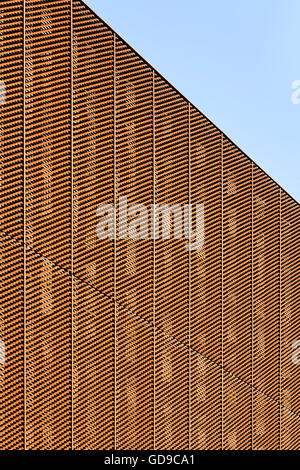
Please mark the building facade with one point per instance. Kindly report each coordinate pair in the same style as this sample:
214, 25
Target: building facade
134, 343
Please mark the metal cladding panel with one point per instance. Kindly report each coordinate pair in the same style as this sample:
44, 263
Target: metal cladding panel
48, 372
12, 345
171, 121
11, 225
134, 180
93, 369
48, 120
290, 323
290, 434
171, 187
134, 382
205, 403
266, 309
265, 422
206, 284
133, 253
134, 343
236, 291
11, 128
172, 391
236, 415
93, 134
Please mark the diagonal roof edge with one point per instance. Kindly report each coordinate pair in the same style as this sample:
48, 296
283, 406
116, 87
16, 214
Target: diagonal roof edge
185, 98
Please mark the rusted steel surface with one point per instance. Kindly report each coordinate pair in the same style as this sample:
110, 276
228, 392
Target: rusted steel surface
133, 258
266, 311
237, 299
171, 279
290, 325
134, 343
206, 286
11, 226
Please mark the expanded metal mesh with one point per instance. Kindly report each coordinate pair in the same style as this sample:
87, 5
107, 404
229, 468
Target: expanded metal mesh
133, 343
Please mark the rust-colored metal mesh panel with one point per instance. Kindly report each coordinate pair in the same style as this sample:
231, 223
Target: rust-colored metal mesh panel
206, 403
48, 379
47, 104
171, 416
93, 132
11, 225
11, 130
290, 323
134, 179
48, 376
93, 146
206, 287
236, 415
134, 382
265, 421
266, 309
12, 339
236, 312
145, 345
93, 369
290, 426
134, 254
172, 268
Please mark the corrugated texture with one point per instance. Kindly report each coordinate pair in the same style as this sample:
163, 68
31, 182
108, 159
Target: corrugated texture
93, 369
134, 179
206, 286
47, 205
172, 268
236, 291
11, 129
134, 382
134, 254
266, 310
11, 225
48, 355
48, 120
236, 413
12, 336
94, 345
93, 146
144, 345
290, 323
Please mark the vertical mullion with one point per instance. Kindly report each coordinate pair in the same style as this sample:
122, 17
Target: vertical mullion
72, 218
24, 216
222, 289
280, 277
154, 268
252, 304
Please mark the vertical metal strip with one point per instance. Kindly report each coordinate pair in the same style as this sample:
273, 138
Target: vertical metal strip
252, 304
222, 288
72, 219
190, 276
280, 311
24, 218
115, 257
154, 268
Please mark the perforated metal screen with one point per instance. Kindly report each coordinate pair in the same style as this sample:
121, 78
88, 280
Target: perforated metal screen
133, 343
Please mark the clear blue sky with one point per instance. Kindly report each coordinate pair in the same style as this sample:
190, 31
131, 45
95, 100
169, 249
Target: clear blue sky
235, 60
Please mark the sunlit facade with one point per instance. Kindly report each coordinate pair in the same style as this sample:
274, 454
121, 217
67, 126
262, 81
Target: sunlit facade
133, 343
